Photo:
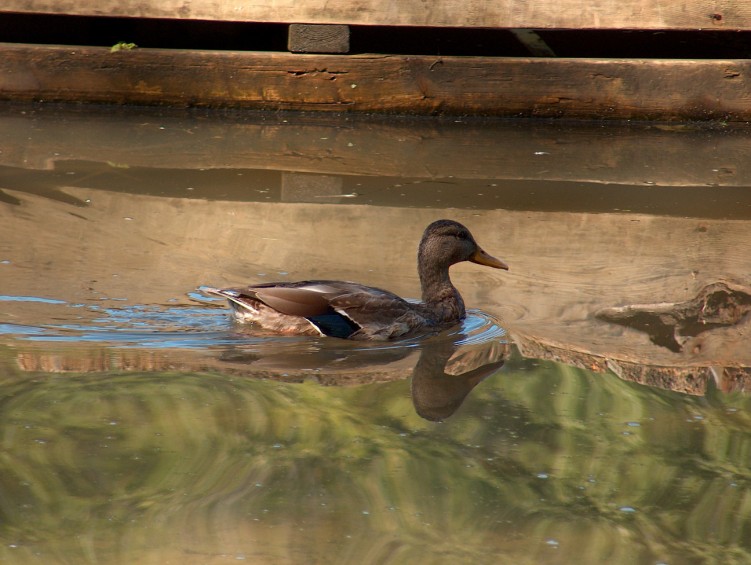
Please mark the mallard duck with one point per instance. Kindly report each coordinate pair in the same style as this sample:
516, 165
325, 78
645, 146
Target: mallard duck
354, 311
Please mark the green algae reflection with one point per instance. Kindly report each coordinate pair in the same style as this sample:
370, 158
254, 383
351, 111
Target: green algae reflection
542, 464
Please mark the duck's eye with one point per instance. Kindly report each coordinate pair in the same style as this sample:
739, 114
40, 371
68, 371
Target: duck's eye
461, 235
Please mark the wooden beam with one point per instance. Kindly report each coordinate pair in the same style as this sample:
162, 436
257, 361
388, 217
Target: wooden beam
534, 14
573, 88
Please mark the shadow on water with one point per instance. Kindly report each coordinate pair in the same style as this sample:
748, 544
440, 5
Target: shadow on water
139, 425
279, 186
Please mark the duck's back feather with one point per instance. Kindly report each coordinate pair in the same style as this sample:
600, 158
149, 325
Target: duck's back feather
332, 308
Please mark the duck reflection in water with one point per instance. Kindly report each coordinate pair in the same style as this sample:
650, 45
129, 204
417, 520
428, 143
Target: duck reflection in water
447, 372
444, 374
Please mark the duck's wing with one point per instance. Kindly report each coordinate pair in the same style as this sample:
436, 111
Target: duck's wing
291, 299
378, 313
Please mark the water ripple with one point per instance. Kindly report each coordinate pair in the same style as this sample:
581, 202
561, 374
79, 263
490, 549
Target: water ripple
206, 326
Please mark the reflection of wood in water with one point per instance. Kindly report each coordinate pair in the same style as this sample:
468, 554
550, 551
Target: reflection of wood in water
689, 380
462, 365
686, 378
94, 360
105, 360
443, 373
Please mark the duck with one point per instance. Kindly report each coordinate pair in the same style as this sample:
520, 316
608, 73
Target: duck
353, 311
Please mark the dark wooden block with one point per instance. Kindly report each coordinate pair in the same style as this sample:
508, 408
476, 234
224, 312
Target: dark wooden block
318, 38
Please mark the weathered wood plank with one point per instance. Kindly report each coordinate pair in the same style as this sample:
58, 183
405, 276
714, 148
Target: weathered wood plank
575, 88
540, 14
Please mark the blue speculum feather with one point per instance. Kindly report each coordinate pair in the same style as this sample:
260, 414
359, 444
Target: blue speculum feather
334, 324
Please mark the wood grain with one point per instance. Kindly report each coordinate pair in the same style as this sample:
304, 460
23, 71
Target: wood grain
535, 14
518, 87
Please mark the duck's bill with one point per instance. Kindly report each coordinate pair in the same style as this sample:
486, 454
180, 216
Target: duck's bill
482, 258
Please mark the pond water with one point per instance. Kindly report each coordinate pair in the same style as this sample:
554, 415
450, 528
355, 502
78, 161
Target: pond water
592, 408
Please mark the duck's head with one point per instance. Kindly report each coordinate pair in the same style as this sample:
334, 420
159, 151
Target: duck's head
446, 242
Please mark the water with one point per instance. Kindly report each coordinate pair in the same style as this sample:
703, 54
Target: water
555, 425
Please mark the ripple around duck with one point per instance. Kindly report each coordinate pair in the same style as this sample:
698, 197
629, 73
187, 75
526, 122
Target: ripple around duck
479, 327
207, 326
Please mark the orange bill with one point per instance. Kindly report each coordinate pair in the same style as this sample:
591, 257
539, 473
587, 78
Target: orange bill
482, 258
